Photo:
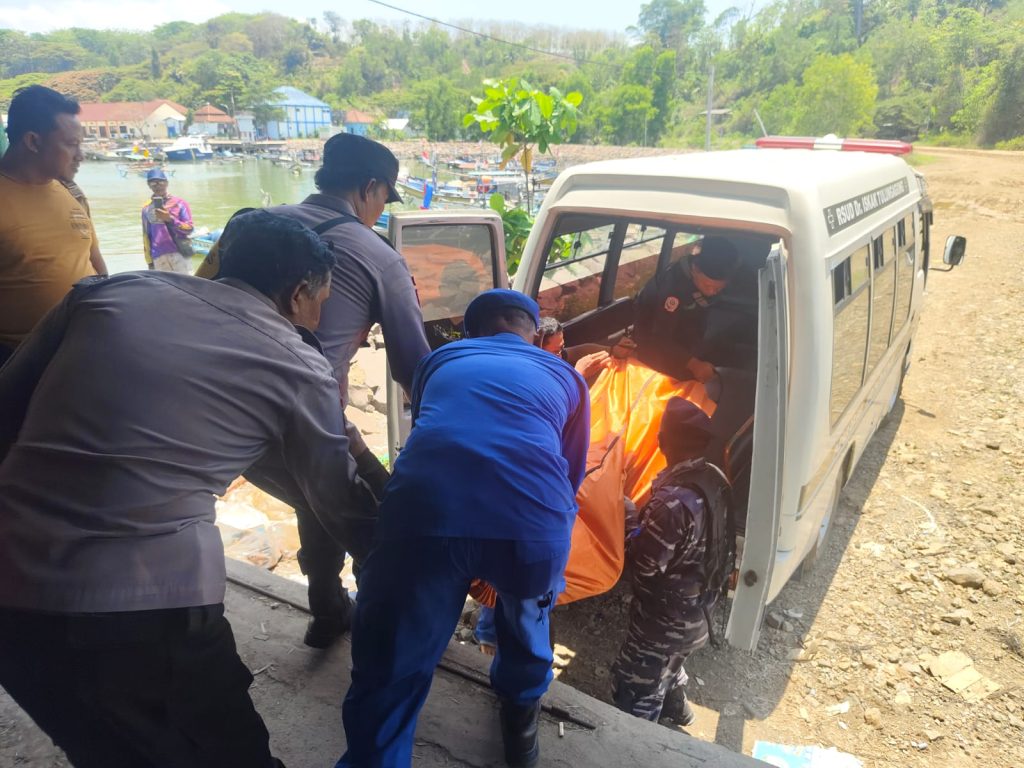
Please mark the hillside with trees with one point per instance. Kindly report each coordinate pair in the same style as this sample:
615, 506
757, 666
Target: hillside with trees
936, 69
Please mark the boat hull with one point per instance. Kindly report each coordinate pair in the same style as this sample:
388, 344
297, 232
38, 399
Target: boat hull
187, 155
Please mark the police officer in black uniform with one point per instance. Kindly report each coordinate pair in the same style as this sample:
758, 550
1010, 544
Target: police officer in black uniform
671, 310
680, 556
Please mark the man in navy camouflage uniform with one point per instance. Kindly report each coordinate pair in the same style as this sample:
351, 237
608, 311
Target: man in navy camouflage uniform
674, 585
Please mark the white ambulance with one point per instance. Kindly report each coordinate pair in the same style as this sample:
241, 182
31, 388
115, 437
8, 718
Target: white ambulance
818, 321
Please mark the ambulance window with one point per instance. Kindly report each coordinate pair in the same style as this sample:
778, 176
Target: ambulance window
849, 329
571, 282
638, 260
904, 289
451, 264
906, 232
883, 291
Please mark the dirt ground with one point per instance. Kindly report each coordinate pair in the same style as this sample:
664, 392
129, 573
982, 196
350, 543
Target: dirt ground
938, 491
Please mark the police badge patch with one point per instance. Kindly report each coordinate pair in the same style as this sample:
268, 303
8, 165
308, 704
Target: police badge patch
671, 304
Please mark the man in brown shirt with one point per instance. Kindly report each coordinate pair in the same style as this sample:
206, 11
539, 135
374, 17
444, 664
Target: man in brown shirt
47, 240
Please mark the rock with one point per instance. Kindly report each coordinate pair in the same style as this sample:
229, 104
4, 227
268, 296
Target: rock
938, 492
1008, 552
987, 528
932, 735
958, 617
787, 626
972, 578
902, 701
774, 620
359, 397
798, 654
873, 717
838, 709
993, 588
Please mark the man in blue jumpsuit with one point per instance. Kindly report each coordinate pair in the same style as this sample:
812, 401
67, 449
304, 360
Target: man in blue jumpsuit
485, 488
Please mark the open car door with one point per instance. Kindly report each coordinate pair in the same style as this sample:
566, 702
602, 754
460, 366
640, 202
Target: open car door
453, 256
764, 512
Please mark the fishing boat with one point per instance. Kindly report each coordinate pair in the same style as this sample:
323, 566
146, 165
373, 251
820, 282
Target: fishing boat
141, 169
188, 148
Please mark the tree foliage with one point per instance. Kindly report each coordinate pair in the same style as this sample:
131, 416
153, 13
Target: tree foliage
938, 66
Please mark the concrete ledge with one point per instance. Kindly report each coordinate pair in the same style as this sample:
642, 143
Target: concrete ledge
299, 691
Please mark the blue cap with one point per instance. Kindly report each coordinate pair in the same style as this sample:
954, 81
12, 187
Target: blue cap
156, 173
498, 298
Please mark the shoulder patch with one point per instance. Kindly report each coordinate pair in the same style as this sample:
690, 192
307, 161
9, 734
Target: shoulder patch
671, 304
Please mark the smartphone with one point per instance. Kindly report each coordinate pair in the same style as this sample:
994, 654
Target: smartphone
158, 202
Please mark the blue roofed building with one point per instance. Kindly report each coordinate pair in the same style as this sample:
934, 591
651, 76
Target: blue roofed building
301, 116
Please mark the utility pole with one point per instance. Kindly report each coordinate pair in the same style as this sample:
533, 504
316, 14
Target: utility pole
711, 101
858, 19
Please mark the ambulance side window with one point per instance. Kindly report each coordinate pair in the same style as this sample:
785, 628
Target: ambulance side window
904, 271
851, 306
571, 282
883, 291
638, 260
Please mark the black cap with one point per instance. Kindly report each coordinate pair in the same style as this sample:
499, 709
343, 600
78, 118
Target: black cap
351, 155
718, 257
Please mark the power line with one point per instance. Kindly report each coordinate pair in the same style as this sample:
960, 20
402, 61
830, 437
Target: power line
485, 36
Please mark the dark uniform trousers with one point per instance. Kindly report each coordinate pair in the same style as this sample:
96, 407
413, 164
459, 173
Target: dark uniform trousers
140, 689
411, 594
650, 663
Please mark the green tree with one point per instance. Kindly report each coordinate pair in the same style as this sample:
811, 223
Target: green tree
625, 114
1004, 118
438, 109
520, 118
672, 23
837, 96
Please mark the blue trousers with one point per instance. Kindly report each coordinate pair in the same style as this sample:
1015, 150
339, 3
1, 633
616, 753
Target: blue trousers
411, 594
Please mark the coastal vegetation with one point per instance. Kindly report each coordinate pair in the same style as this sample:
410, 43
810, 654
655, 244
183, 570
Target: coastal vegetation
939, 70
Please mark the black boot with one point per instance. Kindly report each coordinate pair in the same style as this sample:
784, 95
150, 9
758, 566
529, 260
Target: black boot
519, 733
332, 611
677, 707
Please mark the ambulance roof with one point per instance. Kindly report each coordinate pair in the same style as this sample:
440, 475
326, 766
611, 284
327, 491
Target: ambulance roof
773, 187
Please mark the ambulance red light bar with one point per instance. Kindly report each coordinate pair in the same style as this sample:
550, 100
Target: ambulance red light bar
879, 146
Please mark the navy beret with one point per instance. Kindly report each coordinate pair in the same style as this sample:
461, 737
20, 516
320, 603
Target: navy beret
683, 416
498, 298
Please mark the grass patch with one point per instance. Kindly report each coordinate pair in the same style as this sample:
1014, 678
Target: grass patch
916, 159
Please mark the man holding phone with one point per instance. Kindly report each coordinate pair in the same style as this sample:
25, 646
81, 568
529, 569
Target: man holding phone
166, 226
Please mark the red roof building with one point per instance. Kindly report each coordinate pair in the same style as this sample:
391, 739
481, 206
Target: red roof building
155, 119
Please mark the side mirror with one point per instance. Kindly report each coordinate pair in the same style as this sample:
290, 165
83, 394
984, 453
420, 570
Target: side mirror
956, 249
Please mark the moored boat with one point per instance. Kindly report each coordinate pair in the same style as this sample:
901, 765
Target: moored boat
187, 148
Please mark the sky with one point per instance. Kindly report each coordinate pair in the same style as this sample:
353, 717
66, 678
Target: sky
36, 16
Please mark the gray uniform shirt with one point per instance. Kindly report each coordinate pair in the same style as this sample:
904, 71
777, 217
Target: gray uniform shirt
370, 284
133, 402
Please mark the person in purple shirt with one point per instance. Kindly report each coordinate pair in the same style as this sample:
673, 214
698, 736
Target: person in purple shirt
166, 227
485, 488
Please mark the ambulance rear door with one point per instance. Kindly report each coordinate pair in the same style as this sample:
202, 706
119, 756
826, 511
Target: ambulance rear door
453, 256
764, 511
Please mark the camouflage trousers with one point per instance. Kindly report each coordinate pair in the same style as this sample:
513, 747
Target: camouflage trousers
650, 662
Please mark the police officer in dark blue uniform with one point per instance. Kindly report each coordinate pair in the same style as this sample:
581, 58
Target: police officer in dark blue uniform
680, 557
485, 488
671, 316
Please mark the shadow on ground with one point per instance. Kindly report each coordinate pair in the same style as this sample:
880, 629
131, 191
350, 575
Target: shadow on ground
736, 686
